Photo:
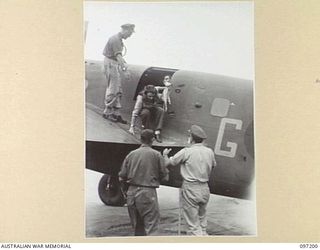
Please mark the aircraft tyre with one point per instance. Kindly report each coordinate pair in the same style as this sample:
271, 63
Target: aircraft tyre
110, 192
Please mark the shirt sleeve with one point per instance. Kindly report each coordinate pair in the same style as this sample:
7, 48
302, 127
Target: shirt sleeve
179, 157
136, 110
163, 171
116, 47
123, 172
214, 163
138, 106
104, 52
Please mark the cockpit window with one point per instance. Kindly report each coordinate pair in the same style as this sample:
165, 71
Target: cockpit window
220, 107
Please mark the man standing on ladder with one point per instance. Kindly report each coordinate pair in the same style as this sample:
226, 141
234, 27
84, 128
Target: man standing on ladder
113, 65
196, 163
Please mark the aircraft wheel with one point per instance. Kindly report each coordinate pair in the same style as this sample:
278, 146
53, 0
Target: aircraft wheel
109, 191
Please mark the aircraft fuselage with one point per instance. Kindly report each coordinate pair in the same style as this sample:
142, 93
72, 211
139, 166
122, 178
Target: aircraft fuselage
222, 106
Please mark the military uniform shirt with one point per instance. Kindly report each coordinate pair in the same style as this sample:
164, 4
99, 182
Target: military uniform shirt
113, 47
144, 167
196, 162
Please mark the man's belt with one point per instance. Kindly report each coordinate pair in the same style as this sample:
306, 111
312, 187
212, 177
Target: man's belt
195, 182
136, 185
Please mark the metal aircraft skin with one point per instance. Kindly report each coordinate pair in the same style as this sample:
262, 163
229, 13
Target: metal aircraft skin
222, 106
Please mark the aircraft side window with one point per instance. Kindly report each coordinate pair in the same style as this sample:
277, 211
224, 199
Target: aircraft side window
220, 107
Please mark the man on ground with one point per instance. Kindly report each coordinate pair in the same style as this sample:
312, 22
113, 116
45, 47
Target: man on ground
196, 163
142, 170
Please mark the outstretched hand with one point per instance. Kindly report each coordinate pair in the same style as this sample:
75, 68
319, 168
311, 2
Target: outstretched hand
166, 151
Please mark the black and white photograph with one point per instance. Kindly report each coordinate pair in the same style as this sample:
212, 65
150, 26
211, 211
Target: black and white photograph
169, 108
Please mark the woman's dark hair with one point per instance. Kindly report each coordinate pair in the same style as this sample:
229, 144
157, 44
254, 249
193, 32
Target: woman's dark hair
150, 89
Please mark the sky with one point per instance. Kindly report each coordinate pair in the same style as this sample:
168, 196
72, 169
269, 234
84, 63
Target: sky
212, 37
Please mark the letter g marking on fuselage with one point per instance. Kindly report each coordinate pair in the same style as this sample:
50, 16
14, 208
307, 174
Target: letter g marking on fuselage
232, 145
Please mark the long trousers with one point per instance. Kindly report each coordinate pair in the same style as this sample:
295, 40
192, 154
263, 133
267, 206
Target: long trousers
143, 210
152, 118
195, 197
114, 90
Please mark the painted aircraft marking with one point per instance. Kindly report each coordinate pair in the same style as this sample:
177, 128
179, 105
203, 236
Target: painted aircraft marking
232, 145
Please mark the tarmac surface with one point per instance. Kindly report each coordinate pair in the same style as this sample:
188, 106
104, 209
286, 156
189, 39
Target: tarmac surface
226, 216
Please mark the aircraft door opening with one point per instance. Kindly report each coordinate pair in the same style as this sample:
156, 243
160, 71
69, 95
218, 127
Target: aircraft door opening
153, 76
